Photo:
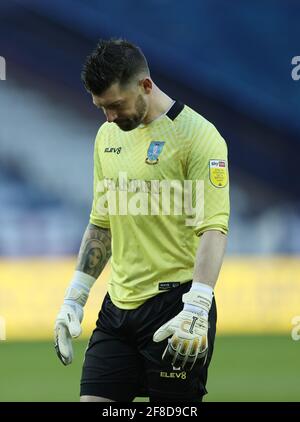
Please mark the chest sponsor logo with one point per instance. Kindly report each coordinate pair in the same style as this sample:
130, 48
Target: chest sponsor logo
121, 195
154, 150
113, 149
218, 175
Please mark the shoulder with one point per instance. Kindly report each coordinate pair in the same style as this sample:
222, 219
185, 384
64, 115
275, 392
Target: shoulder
102, 131
193, 126
106, 132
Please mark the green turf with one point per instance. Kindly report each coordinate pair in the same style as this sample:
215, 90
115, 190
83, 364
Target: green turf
244, 368
258, 368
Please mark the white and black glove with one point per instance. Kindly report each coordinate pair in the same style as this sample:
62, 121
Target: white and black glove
67, 324
188, 329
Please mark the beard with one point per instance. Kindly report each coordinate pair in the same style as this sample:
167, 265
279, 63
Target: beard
135, 120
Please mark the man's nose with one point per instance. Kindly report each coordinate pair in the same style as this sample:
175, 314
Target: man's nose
111, 116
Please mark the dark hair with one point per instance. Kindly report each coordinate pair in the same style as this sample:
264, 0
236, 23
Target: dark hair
113, 60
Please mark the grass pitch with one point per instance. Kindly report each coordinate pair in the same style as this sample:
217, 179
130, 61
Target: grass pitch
244, 368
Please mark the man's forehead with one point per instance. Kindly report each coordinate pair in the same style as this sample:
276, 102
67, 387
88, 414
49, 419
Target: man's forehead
112, 95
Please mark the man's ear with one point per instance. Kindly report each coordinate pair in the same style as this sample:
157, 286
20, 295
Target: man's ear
146, 85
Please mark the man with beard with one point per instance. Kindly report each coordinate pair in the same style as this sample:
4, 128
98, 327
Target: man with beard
156, 327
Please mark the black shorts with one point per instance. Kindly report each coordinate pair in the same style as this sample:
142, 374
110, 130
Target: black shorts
122, 361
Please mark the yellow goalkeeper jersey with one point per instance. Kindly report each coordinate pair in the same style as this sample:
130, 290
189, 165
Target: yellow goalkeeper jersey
158, 188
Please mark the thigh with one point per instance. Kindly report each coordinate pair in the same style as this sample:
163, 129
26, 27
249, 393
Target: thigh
112, 367
166, 383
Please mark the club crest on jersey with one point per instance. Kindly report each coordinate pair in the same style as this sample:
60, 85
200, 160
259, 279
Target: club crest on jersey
154, 150
218, 173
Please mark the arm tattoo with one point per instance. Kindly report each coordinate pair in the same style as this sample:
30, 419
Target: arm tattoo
95, 250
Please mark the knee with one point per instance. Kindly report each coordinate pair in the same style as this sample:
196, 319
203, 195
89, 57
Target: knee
86, 399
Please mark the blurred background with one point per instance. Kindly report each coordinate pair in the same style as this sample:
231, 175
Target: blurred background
229, 60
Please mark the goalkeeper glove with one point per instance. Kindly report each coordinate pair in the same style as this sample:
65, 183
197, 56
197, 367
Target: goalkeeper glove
67, 324
188, 329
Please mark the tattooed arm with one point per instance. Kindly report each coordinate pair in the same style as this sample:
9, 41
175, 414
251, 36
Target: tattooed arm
94, 253
95, 250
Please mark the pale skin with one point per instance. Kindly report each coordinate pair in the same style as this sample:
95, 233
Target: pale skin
92, 260
209, 257
119, 103
142, 101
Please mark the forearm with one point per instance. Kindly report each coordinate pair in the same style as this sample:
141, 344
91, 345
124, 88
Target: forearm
95, 250
189, 329
209, 257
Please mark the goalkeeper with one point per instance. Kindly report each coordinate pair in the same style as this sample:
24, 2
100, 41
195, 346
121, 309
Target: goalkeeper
155, 331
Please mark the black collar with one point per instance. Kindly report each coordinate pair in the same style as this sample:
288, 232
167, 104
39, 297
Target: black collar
175, 110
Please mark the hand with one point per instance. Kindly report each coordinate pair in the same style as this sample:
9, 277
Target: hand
188, 342
67, 326
188, 330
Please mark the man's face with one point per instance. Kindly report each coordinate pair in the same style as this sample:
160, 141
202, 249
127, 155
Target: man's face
125, 106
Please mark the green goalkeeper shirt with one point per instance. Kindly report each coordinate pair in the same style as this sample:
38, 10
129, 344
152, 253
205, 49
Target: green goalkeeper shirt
158, 188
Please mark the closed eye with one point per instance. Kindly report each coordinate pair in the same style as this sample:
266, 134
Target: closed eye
115, 105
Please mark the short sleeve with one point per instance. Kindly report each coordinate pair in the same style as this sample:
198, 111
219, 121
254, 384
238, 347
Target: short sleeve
208, 164
99, 214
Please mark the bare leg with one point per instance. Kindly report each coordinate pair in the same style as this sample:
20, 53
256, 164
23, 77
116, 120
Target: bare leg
86, 399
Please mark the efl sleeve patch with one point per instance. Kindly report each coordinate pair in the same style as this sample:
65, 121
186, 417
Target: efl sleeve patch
218, 174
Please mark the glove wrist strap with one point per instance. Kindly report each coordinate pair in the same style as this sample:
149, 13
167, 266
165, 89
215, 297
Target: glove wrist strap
198, 299
79, 289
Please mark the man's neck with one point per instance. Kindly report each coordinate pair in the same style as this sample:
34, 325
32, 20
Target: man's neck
160, 104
